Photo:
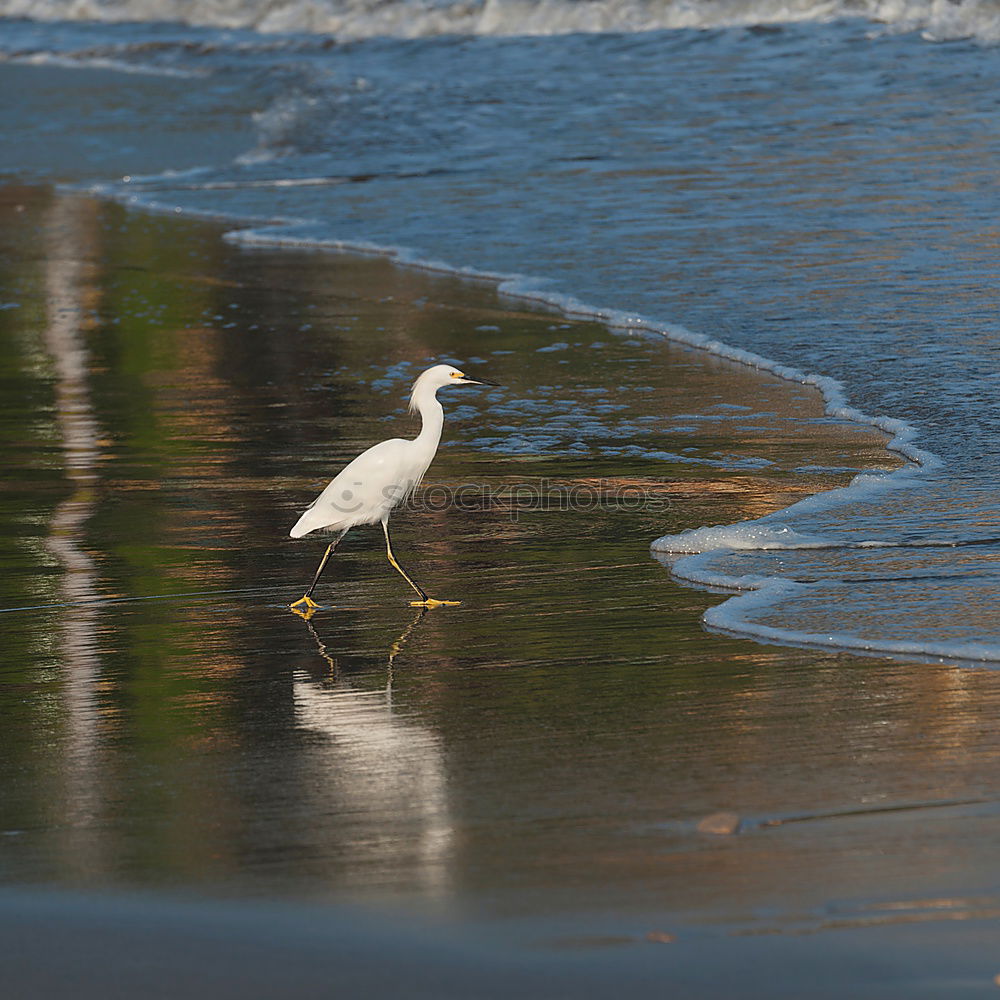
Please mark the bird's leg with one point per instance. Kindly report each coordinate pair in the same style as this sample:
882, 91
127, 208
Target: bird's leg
306, 601
425, 601
399, 569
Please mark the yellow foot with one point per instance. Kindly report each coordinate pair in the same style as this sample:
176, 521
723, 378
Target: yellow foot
431, 603
305, 607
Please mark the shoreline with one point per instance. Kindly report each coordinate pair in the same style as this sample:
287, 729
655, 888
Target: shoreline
240, 233
725, 618
147, 194
567, 728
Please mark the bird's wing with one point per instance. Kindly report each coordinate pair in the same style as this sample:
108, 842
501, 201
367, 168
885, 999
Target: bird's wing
364, 491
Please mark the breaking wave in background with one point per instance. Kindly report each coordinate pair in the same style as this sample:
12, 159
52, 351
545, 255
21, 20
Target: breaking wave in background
350, 20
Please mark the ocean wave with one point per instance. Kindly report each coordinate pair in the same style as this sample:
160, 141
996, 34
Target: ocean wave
359, 19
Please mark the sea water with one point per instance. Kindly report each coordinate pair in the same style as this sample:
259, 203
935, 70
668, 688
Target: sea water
807, 188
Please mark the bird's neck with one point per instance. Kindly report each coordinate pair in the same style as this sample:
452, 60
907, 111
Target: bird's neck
432, 417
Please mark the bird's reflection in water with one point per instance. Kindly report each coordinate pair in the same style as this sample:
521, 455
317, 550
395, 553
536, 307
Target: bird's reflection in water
382, 772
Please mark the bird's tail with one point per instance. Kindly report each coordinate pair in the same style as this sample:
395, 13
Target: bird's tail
311, 520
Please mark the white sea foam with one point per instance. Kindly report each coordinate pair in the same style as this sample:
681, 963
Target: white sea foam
358, 19
750, 535
733, 617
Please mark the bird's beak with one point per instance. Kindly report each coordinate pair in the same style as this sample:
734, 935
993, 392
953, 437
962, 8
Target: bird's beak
475, 381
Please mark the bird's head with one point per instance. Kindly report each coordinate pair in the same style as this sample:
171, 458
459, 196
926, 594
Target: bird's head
439, 376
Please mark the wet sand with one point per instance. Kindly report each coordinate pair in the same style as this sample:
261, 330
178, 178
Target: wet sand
531, 767
63, 945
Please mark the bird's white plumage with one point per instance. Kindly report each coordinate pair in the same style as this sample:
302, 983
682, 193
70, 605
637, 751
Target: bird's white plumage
381, 478
366, 490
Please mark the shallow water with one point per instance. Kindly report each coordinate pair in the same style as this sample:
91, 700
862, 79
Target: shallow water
543, 752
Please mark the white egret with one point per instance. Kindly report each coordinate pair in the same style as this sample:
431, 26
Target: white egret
380, 479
